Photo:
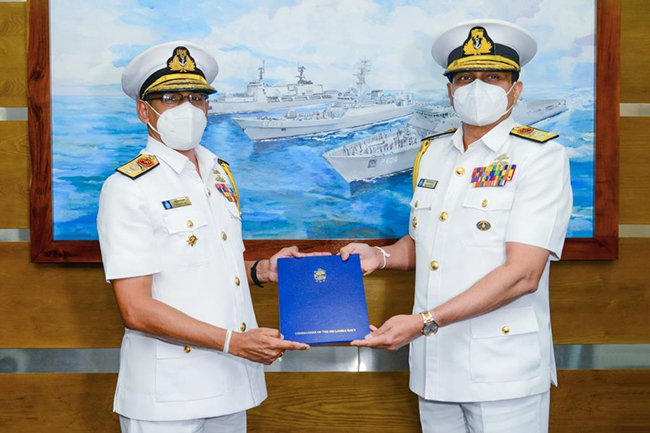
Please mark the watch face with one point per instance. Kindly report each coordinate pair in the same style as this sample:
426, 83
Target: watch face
430, 329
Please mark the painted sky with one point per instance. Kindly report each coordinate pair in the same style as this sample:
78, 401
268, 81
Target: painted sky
92, 42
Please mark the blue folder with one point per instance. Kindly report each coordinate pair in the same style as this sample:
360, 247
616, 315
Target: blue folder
322, 300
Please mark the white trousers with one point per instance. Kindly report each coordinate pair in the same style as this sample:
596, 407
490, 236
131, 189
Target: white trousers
526, 414
235, 423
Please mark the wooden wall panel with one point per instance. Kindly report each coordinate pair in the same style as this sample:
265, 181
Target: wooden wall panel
14, 175
603, 302
13, 50
57, 403
54, 306
50, 305
635, 51
634, 174
598, 401
594, 401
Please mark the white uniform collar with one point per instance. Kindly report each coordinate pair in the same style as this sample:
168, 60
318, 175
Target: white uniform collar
177, 160
494, 139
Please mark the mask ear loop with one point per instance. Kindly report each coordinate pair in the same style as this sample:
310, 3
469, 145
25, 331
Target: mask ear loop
149, 123
513, 105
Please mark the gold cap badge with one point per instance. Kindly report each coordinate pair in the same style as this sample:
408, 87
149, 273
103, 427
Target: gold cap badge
478, 42
181, 61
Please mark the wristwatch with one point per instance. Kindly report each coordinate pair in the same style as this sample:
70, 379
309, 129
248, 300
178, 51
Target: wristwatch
430, 326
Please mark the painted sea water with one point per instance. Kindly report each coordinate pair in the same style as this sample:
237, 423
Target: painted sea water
287, 189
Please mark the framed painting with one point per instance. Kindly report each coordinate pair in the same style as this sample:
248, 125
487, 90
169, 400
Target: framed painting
320, 110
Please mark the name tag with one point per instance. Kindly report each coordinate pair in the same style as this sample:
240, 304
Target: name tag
176, 202
427, 183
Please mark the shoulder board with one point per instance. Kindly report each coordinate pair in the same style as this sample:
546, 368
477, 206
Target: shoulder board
221, 161
139, 166
439, 134
534, 134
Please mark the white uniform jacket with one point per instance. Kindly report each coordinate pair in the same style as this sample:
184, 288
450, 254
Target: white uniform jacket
460, 232
178, 227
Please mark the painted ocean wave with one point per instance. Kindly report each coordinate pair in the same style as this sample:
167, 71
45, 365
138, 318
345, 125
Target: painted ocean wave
287, 188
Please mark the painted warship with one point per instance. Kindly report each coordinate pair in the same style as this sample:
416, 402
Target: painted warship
354, 109
261, 96
394, 151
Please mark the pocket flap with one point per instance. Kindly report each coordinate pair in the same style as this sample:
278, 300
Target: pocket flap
490, 198
422, 200
184, 221
504, 323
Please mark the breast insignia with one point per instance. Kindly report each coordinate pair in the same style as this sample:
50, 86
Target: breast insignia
139, 166
533, 134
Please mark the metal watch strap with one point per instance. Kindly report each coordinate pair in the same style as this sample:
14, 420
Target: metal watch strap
428, 320
257, 282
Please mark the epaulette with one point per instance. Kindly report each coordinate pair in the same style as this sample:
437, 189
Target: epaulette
221, 161
139, 166
533, 134
440, 134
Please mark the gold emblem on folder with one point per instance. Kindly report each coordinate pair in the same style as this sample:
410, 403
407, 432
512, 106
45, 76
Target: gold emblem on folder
320, 275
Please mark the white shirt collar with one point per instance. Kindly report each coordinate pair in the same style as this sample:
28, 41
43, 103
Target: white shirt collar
177, 160
494, 139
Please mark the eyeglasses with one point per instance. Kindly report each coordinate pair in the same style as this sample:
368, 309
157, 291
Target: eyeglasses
174, 99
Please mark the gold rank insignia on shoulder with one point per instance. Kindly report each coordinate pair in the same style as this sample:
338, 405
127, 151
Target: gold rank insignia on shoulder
439, 134
534, 134
139, 166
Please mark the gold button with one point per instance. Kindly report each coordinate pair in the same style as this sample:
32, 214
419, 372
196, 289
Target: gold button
415, 222
190, 224
207, 191
417, 203
243, 326
224, 236
237, 282
484, 203
505, 329
443, 216
434, 265
187, 349
460, 171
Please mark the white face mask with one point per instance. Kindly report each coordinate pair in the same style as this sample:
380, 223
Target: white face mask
481, 104
181, 127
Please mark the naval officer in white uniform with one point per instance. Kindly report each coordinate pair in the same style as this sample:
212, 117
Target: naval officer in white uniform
170, 233
490, 211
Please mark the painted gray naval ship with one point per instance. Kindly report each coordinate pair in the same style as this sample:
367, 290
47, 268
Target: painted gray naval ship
261, 96
355, 108
394, 151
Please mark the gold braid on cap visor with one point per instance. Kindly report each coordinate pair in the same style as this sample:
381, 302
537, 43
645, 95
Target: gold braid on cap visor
160, 82
489, 62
